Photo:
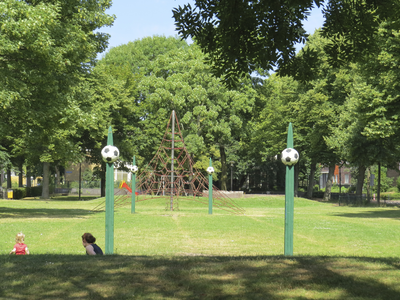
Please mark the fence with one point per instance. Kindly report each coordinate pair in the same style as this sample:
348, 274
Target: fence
349, 199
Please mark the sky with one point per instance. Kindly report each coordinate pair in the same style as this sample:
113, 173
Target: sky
136, 19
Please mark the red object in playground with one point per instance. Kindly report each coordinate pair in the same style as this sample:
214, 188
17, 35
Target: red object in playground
125, 185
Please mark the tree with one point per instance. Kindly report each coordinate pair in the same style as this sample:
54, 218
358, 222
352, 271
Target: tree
352, 26
326, 90
45, 48
170, 75
312, 103
108, 104
210, 114
241, 36
368, 133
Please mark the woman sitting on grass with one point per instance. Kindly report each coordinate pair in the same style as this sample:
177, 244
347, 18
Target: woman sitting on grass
20, 248
88, 241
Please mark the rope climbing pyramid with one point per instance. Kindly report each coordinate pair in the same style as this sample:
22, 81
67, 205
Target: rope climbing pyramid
171, 173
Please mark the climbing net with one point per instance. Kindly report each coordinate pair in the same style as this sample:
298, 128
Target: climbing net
171, 173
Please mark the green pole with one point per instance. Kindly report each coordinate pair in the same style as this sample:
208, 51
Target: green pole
289, 199
133, 187
210, 191
109, 242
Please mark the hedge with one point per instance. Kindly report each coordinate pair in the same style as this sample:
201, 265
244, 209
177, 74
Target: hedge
19, 193
34, 191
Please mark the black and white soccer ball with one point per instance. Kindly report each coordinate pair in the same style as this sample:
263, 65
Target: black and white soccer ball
210, 170
110, 153
133, 169
290, 156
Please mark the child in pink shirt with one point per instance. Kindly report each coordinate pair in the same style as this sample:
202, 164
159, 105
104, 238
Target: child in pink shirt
20, 248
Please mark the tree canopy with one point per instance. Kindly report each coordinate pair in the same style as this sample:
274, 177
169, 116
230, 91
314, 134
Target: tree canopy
46, 48
242, 36
171, 75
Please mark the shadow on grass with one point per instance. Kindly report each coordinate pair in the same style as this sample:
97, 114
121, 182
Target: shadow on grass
9, 212
386, 214
61, 198
74, 198
206, 277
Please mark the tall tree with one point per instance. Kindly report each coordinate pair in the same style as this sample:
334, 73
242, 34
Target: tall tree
45, 48
368, 131
170, 76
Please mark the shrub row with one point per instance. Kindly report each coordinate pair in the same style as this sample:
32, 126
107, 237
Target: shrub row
390, 196
22, 192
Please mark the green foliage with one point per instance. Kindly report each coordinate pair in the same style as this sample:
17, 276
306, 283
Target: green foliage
4, 157
351, 189
90, 179
171, 75
398, 183
14, 184
390, 196
46, 48
386, 182
352, 27
241, 37
19, 193
34, 191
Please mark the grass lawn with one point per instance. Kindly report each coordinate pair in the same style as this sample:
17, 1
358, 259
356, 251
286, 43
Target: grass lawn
339, 252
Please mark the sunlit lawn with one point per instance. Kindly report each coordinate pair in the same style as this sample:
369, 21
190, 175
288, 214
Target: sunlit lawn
339, 252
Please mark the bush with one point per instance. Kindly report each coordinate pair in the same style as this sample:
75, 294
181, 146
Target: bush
14, 184
318, 194
390, 196
19, 193
34, 191
351, 189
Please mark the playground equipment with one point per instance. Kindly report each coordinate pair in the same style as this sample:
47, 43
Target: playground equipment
289, 158
171, 173
110, 154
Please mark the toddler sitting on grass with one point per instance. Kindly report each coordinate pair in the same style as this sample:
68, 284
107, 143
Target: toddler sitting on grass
20, 248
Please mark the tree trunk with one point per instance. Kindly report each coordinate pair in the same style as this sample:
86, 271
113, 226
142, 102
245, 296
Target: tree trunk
241, 182
224, 175
20, 175
2, 181
310, 187
28, 178
1, 176
9, 183
328, 188
46, 180
57, 177
379, 184
368, 187
360, 180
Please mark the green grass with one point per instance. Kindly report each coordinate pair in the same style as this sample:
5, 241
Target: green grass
339, 252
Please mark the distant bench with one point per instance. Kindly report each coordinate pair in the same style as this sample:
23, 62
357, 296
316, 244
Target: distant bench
62, 191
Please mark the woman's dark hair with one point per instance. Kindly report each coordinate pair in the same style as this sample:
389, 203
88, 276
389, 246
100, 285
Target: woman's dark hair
88, 237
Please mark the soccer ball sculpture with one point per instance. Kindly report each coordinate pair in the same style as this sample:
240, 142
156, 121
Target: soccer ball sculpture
210, 170
290, 156
134, 169
110, 154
